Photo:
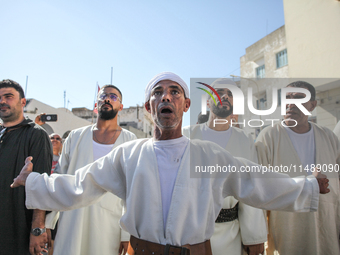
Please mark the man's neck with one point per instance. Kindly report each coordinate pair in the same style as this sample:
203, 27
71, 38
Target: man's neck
13, 123
301, 128
218, 123
108, 125
166, 134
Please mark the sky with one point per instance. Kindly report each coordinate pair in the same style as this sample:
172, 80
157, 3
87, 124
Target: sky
72, 45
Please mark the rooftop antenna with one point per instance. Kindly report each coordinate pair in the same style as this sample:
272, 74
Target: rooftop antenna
64, 98
26, 85
111, 75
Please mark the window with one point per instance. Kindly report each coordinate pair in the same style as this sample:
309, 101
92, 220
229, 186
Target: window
260, 72
281, 59
261, 103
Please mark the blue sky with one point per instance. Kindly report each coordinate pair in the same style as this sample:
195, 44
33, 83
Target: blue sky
71, 45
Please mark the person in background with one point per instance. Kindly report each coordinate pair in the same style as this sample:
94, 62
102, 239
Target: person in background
337, 130
22, 231
202, 118
239, 226
94, 229
301, 144
57, 146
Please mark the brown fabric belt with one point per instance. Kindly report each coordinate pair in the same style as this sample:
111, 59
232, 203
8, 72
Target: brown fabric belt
139, 247
227, 215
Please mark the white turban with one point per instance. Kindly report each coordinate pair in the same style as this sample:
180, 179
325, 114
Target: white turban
165, 76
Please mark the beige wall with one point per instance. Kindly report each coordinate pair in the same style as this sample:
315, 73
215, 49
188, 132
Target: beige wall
67, 121
328, 110
312, 34
144, 123
264, 52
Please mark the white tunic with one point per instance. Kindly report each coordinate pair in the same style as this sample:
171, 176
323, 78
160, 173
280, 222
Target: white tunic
250, 227
304, 233
94, 229
337, 130
130, 171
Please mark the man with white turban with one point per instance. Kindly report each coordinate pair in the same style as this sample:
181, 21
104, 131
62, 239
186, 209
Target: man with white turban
167, 211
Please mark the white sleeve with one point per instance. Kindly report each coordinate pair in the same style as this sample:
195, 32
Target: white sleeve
124, 235
51, 219
68, 192
271, 191
64, 158
253, 225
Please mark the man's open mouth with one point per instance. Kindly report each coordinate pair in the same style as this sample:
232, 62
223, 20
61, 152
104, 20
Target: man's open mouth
166, 110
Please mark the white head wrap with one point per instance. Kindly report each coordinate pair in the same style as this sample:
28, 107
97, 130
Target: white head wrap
165, 76
219, 83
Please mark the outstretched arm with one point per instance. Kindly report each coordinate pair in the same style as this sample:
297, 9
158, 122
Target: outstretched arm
275, 191
68, 192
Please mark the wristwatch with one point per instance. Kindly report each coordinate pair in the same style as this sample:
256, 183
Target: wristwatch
38, 231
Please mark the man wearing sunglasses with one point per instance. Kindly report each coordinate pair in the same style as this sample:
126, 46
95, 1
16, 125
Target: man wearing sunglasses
21, 231
94, 229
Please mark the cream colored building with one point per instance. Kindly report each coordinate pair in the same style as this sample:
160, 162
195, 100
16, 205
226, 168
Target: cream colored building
265, 58
305, 48
312, 31
135, 119
67, 121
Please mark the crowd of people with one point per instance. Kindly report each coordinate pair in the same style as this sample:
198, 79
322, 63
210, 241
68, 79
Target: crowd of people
112, 193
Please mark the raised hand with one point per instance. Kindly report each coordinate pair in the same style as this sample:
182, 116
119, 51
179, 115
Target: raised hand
322, 181
20, 180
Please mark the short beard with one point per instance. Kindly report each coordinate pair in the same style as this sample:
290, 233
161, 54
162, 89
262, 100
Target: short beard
107, 115
222, 112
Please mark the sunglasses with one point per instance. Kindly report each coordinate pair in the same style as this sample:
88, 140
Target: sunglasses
55, 138
111, 96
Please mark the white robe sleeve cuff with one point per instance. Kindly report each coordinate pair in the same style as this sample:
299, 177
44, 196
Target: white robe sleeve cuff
51, 219
315, 190
28, 185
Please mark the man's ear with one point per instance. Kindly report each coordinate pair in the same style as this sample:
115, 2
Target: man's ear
23, 102
187, 104
313, 103
121, 107
147, 106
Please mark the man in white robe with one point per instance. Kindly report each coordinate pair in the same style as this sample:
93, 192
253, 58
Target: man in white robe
337, 130
94, 229
300, 147
248, 228
168, 212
